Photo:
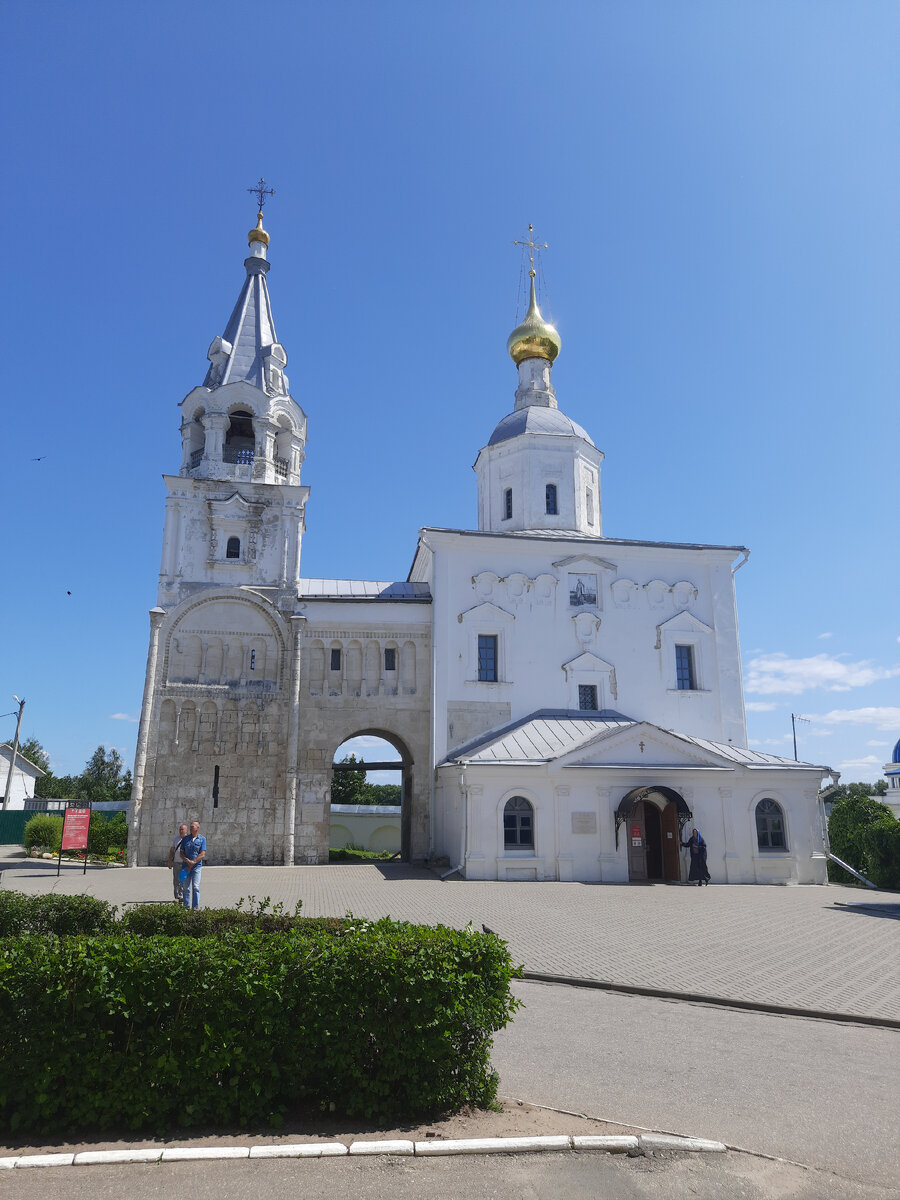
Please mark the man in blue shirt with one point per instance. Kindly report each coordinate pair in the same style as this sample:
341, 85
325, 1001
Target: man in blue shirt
193, 852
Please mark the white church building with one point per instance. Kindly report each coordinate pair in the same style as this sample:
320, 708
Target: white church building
566, 705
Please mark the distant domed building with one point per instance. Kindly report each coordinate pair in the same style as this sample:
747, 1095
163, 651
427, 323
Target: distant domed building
566, 705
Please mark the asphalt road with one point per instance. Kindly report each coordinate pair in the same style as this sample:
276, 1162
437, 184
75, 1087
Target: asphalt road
817, 1092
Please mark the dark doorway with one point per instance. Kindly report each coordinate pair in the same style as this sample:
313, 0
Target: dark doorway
653, 833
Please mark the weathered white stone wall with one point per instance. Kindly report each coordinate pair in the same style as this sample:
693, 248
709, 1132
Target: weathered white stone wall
361, 697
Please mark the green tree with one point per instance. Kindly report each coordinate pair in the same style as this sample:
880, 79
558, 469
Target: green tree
348, 787
104, 777
32, 749
855, 812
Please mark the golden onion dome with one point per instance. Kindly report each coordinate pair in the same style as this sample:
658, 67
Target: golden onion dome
535, 337
258, 234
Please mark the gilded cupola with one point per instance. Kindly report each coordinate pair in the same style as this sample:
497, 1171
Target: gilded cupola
535, 337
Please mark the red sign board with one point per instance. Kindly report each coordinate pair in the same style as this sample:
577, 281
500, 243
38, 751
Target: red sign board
635, 831
76, 822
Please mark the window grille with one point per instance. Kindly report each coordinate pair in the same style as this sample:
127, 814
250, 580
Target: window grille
507, 505
518, 824
487, 658
684, 668
770, 826
587, 697
550, 499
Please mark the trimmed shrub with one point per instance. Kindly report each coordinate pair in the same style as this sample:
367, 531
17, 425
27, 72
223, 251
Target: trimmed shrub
387, 1021
107, 834
63, 916
172, 920
44, 829
847, 824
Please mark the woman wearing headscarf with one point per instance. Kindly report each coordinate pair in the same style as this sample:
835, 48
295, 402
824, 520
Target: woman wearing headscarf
697, 847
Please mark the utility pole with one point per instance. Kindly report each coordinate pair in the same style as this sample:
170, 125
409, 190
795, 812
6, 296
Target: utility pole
12, 762
794, 720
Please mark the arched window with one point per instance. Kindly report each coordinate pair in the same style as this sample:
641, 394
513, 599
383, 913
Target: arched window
233, 548
240, 442
518, 824
770, 833
550, 499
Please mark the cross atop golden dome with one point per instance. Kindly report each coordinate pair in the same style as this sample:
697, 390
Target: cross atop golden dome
535, 337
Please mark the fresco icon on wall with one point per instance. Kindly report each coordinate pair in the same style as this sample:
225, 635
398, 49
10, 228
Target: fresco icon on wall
582, 590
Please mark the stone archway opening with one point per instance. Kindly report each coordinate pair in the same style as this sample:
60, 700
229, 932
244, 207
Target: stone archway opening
371, 789
654, 817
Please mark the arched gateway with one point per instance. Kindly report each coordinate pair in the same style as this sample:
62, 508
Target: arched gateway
654, 817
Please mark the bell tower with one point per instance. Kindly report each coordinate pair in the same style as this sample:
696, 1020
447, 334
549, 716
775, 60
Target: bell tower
235, 512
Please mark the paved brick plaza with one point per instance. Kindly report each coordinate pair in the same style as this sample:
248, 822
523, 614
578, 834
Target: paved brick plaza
792, 946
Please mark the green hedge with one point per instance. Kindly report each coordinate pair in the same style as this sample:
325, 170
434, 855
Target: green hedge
64, 916
172, 920
388, 1021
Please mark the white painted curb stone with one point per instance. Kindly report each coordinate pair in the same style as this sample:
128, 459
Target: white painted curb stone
504, 1145
305, 1150
615, 1143
663, 1141
7, 1164
91, 1157
185, 1154
46, 1160
386, 1147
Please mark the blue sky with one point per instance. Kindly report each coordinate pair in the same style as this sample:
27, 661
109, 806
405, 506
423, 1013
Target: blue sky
718, 182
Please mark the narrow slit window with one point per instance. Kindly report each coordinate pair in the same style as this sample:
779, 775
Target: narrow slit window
252, 660
589, 498
587, 697
684, 669
335, 660
487, 658
215, 791
233, 548
390, 659
507, 505
550, 499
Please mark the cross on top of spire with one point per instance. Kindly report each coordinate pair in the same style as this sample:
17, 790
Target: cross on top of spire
261, 191
531, 245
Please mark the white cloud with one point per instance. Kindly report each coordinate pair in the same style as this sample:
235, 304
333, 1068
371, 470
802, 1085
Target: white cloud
822, 636
773, 674
123, 717
886, 719
869, 761
874, 743
761, 706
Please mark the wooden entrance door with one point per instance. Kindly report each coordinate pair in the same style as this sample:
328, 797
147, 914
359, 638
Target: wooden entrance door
671, 843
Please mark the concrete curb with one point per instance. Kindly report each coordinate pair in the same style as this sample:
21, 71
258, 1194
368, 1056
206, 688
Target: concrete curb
781, 1010
618, 1144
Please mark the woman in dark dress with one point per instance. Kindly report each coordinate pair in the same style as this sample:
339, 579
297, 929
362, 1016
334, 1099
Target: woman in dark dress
697, 847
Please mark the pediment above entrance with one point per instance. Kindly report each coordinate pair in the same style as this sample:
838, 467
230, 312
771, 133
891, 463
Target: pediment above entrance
588, 560
644, 745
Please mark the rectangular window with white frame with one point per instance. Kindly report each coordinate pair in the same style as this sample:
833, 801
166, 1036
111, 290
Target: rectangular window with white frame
487, 658
685, 677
